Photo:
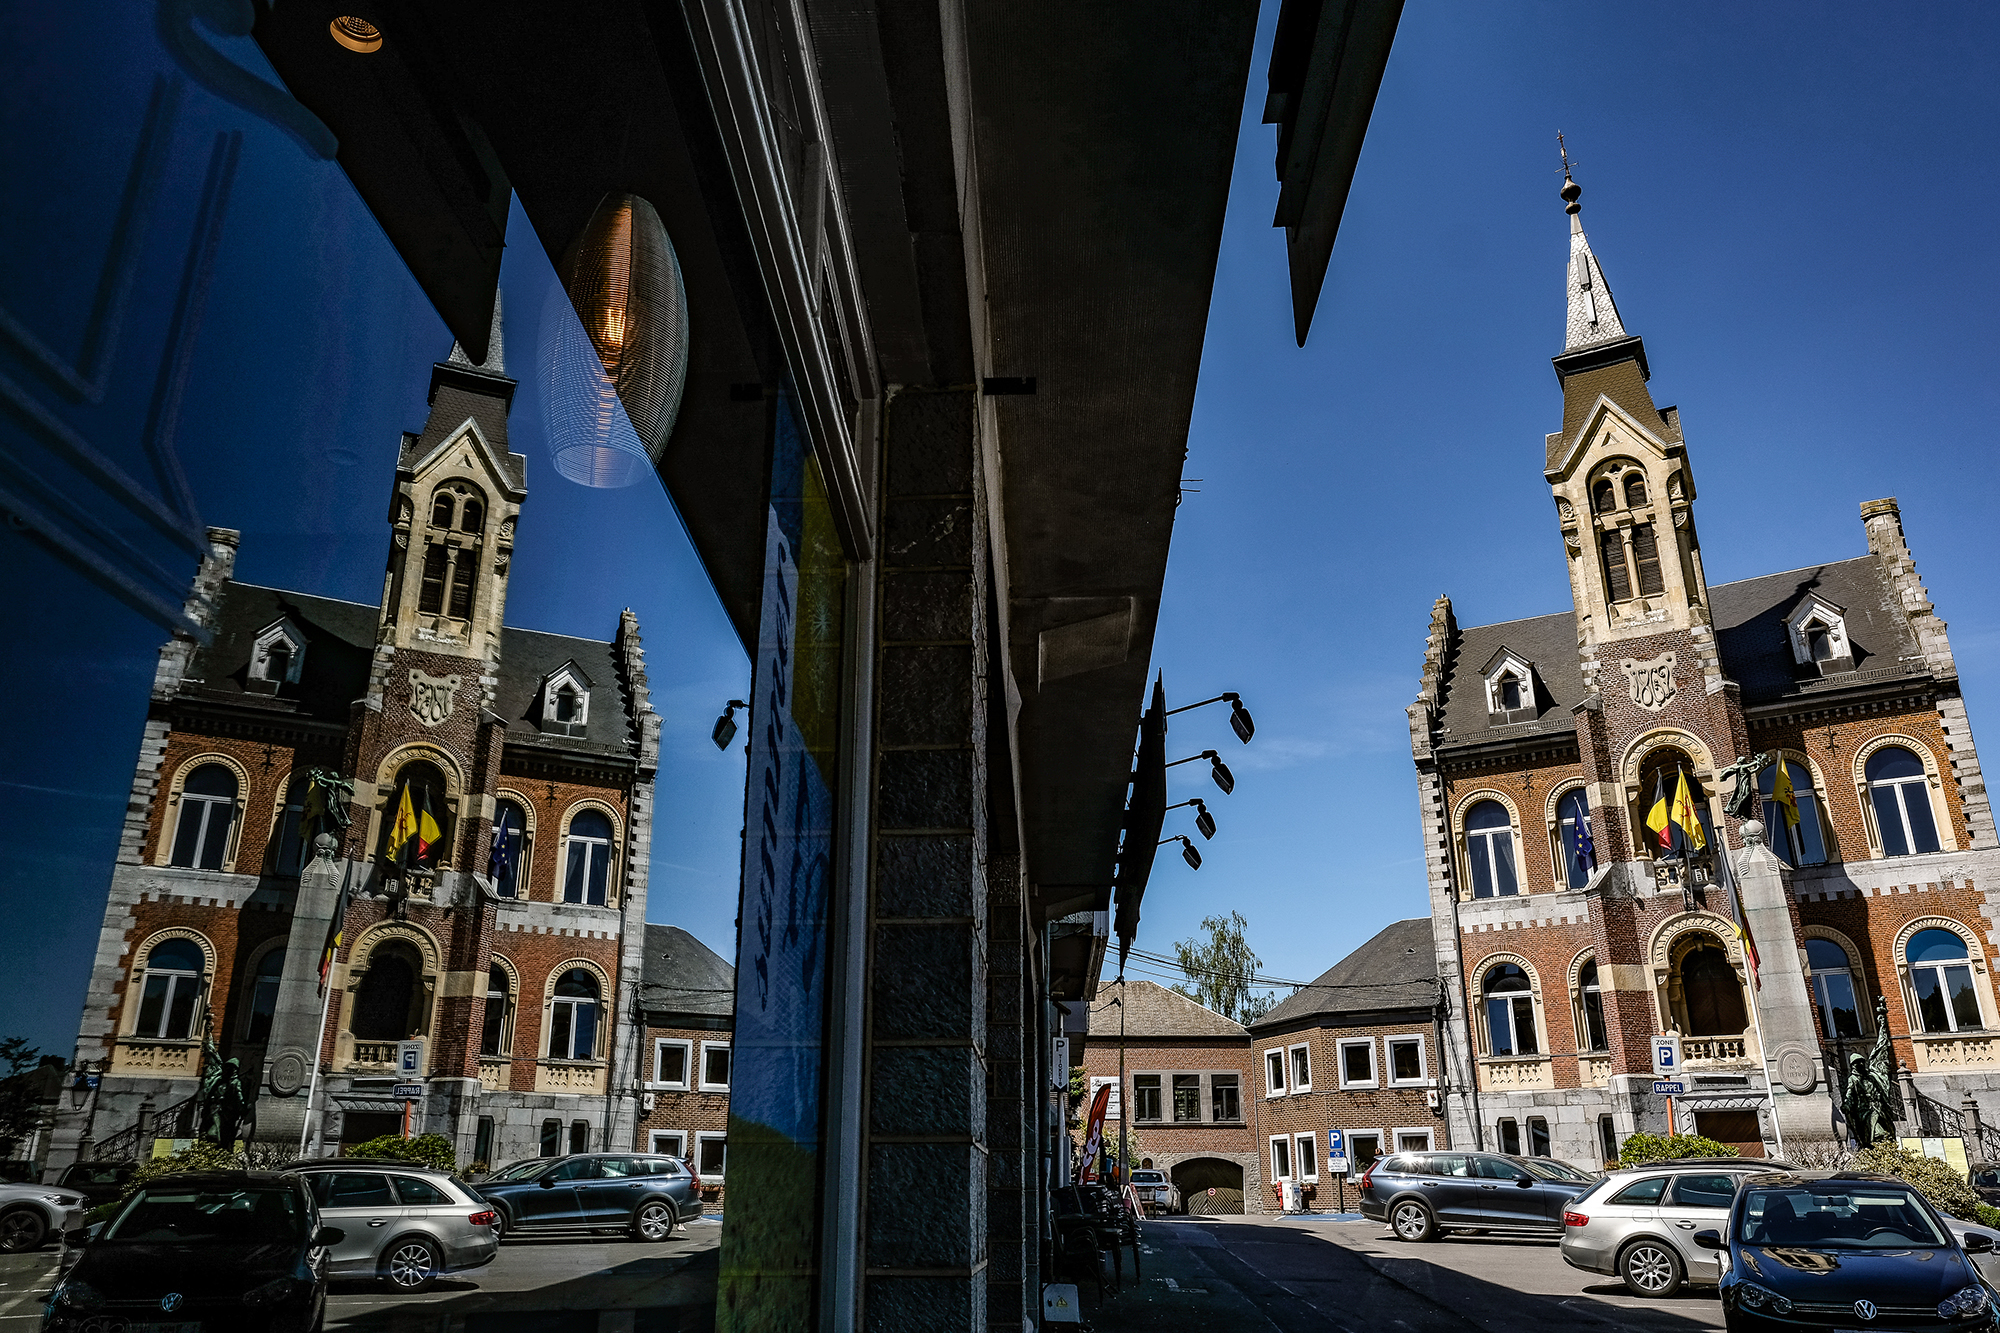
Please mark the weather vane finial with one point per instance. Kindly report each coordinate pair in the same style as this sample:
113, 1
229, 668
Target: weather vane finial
1571, 191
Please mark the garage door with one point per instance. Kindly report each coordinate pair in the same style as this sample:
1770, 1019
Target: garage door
1209, 1186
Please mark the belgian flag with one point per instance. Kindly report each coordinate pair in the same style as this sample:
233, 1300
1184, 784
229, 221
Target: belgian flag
1660, 818
413, 837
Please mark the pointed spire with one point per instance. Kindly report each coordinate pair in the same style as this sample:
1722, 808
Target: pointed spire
1593, 315
496, 360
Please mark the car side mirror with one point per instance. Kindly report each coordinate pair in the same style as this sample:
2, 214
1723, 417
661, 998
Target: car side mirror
329, 1236
77, 1237
546, 1183
1978, 1242
1524, 1181
1709, 1240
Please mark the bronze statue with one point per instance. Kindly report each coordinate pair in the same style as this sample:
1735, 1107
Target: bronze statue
327, 795
222, 1105
1868, 1100
1741, 803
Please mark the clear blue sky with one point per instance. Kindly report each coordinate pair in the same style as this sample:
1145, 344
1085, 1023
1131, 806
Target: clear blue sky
1793, 205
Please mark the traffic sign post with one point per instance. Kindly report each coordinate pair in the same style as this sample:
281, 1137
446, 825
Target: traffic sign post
1666, 1072
1336, 1162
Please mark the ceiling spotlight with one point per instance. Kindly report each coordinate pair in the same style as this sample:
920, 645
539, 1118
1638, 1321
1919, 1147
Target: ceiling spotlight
1239, 719
356, 34
725, 726
1189, 853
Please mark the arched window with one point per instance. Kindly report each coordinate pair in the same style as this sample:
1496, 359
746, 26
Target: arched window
508, 862
567, 700
465, 564
1590, 1031
573, 1017
1576, 851
208, 805
1510, 1011
589, 858
442, 506
1901, 795
1617, 581
1660, 773
1819, 641
1604, 497
291, 846
430, 593
428, 791
1803, 843
1489, 847
1711, 996
1635, 489
262, 994
171, 987
278, 660
385, 1007
1941, 975
1832, 973
475, 514
497, 1037
1646, 555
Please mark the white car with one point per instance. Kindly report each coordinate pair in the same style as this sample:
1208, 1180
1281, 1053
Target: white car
31, 1214
1155, 1191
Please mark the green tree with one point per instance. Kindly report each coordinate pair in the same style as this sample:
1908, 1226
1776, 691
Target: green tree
1221, 968
19, 1103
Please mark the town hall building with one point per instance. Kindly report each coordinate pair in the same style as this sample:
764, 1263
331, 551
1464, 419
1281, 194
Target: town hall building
1566, 938
497, 977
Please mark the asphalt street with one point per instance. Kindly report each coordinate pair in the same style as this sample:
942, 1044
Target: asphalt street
1317, 1275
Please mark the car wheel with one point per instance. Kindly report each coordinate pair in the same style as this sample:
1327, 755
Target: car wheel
1412, 1221
499, 1224
21, 1230
654, 1221
1650, 1268
412, 1264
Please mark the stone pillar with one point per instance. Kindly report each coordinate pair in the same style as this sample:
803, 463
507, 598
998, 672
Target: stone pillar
295, 1039
925, 1193
1011, 1106
1800, 1101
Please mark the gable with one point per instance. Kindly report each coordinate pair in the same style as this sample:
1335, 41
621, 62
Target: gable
465, 451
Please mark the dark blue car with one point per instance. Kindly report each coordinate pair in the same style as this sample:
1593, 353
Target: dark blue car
645, 1194
1845, 1250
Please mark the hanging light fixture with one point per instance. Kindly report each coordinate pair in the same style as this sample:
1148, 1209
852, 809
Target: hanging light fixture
356, 34
725, 726
1203, 821
1216, 769
1189, 852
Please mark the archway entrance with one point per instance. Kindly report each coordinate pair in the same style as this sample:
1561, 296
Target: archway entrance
1209, 1186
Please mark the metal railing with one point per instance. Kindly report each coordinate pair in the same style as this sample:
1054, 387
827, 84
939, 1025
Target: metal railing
174, 1122
1934, 1120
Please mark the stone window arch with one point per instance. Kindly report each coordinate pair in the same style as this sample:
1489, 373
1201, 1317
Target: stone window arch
1836, 978
389, 994
1569, 805
592, 836
1510, 1001
521, 818
575, 1012
1811, 843
1487, 830
257, 992
1698, 970
381, 808
1944, 991
1665, 754
503, 997
203, 828
1586, 992
1888, 793
171, 976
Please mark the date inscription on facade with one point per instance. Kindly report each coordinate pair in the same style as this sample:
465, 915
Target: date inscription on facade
430, 697
1652, 681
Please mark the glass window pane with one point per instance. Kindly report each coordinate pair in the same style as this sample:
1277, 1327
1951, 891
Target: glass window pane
1223, 1101
1281, 1158
411, 1190
359, 1191
551, 1143
1301, 1068
1187, 1097
1824, 954
1641, 1192
153, 1006
1964, 1002
1917, 806
1843, 1015
1308, 1158
559, 1030
187, 835
1497, 1026
1889, 819
1893, 761
1538, 1137
1274, 1071
1510, 1137
600, 865
1482, 874
1503, 863
584, 1047
1488, 815
714, 1156
1935, 945
1524, 1025
1930, 999
215, 833
1358, 1063
489, 1035
1406, 1060
180, 1008
1593, 1021
573, 879
715, 1065
671, 1065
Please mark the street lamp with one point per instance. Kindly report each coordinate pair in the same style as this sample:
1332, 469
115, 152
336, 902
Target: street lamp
1239, 716
725, 726
1202, 820
1217, 769
1189, 853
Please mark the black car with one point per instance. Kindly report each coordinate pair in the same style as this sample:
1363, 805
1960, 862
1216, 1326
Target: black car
99, 1182
1845, 1249
1422, 1195
201, 1252
646, 1194
1986, 1182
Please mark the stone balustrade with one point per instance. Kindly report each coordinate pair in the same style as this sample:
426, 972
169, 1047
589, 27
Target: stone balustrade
1506, 1073
1951, 1051
1594, 1071
375, 1053
571, 1076
493, 1072
156, 1059
1699, 1051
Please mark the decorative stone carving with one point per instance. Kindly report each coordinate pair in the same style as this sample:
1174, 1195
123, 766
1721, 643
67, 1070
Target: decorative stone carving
288, 1072
431, 696
1564, 511
1795, 1071
1652, 681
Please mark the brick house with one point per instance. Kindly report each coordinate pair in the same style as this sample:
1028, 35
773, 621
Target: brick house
507, 974
1187, 1080
1565, 936
1355, 1051
687, 1003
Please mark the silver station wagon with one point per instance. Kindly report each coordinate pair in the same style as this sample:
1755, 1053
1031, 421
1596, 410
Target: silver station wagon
401, 1222
1638, 1224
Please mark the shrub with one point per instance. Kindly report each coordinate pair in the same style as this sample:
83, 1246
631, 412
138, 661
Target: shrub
197, 1156
1643, 1148
1933, 1179
432, 1150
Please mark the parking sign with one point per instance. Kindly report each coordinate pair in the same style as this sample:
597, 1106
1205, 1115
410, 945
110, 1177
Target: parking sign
1666, 1055
410, 1059
1336, 1153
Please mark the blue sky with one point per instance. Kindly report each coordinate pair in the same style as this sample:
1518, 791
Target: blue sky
1793, 206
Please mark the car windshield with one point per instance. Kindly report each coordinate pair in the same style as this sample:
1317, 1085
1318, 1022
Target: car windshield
1549, 1169
1986, 1179
1148, 1178
202, 1215
1847, 1215
522, 1170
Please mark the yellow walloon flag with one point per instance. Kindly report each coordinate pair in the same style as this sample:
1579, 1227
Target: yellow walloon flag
1784, 797
1685, 818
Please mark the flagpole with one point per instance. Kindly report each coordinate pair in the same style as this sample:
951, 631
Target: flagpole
319, 1044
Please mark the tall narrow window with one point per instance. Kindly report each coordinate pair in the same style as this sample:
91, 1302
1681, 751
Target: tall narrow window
263, 997
1146, 1097
441, 510
567, 702
1711, 994
208, 805
1187, 1098
1635, 489
291, 844
551, 1144
386, 1003
589, 858
1281, 1159
1510, 692
579, 1136
1577, 852
573, 1017
497, 1036
1603, 497
1607, 1138
463, 568
475, 515
430, 593
509, 858
1646, 552
1590, 1000
1510, 1137
1941, 974
168, 993
1538, 1136
278, 660
1833, 988
1901, 795
1819, 642
1617, 582
1489, 846
1800, 844
1510, 1012
482, 1140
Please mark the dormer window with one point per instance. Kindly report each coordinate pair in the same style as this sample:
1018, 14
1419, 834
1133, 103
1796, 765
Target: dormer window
569, 704
1818, 632
276, 655
566, 700
1510, 692
1510, 687
1819, 641
278, 661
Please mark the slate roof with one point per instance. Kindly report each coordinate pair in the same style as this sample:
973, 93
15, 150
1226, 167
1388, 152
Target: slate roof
681, 975
340, 642
1750, 617
1153, 1011
1395, 970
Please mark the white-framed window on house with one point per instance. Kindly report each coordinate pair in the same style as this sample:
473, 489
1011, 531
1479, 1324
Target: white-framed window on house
1510, 1011
170, 989
1357, 1062
671, 1142
1364, 1147
573, 1017
1305, 1156
1281, 1157
1415, 1138
711, 1154
1302, 1070
1899, 791
207, 809
672, 1059
715, 1066
1225, 1103
587, 857
1941, 975
1406, 1061
1274, 1073
1489, 850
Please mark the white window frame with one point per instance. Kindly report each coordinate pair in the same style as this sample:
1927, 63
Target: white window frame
567, 674
260, 651
1833, 618
1430, 1137
658, 1084
679, 1137
701, 1074
1281, 1141
1423, 1078
1277, 1088
1382, 1139
701, 1138
1292, 1066
1310, 1145
607, 847
1374, 1079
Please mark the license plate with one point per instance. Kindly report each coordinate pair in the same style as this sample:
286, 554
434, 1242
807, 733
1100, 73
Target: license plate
191, 1326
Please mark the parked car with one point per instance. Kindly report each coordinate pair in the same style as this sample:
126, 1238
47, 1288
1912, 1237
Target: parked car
18, 1173
30, 1214
1155, 1191
1830, 1247
646, 1194
1638, 1224
1986, 1182
201, 1252
405, 1223
1422, 1195
99, 1182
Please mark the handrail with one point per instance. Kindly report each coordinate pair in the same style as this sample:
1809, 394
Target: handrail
1936, 1120
124, 1145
